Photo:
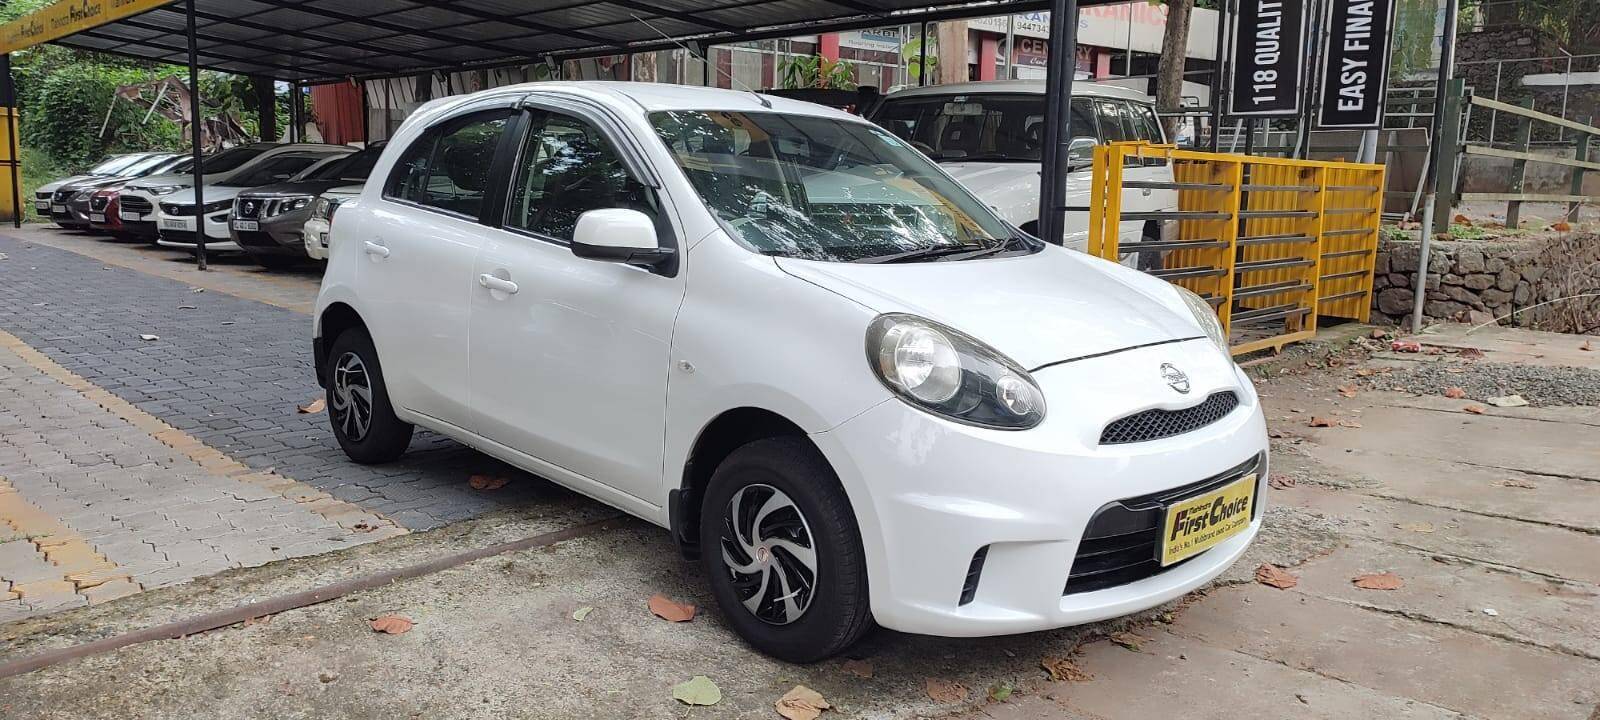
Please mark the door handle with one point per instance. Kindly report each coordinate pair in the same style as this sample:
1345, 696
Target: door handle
375, 249
500, 284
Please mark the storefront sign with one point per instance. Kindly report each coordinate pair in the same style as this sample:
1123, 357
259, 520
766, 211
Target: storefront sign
879, 39
56, 21
1355, 68
1268, 48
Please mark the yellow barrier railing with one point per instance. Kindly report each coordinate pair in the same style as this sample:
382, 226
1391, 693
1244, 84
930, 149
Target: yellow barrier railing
1272, 244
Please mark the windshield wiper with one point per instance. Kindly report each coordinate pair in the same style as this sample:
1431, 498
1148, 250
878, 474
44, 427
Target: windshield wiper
917, 254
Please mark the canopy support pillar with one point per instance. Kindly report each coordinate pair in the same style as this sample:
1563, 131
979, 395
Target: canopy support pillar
196, 132
1063, 65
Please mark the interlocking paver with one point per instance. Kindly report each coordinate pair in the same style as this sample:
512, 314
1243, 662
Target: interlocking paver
190, 378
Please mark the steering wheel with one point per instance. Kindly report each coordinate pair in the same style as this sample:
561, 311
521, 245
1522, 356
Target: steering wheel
923, 147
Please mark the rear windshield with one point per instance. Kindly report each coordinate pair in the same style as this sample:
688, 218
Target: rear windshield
113, 165
355, 166
230, 159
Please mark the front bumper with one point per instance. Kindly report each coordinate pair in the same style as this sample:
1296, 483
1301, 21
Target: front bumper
177, 231
929, 494
278, 235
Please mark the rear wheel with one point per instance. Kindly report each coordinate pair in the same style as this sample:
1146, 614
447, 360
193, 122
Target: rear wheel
782, 551
358, 401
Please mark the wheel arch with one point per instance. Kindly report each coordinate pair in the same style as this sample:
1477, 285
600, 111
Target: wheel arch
728, 431
336, 318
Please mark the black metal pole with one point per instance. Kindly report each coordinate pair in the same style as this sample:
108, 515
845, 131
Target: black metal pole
196, 122
1317, 30
366, 117
297, 112
1430, 197
1062, 68
388, 103
8, 99
1219, 71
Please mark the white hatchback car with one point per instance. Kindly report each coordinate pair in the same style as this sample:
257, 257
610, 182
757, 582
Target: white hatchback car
849, 389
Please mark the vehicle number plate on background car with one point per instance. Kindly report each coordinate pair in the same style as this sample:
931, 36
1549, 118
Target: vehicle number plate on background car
128, 215
246, 225
42, 204
1200, 523
171, 224
97, 217
58, 208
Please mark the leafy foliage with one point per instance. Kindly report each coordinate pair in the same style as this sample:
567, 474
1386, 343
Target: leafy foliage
815, 71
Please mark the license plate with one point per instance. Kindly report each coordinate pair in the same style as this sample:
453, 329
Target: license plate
129, 216
322, 238
1196, 525
42, 205
171, 224
97, 217
58, 208
246, 225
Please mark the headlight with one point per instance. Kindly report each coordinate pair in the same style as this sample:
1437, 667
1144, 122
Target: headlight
164, 189
947, 373
218, 206
1206, 316
321, 209
289, 205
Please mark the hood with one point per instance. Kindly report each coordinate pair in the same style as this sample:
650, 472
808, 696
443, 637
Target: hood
186, 195
290, 189
52, 187
184, 179
93, 183
1047, 307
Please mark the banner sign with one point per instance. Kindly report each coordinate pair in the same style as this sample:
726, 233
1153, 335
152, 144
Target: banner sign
56, 21
1355, 68
1268, 49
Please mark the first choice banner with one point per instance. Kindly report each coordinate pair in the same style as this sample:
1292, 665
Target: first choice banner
63, 18
1268, 55
1355, 67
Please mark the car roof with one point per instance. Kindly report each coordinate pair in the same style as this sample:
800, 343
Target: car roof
1020, 87
656, 97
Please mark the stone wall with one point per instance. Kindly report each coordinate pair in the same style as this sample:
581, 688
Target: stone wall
1508, 279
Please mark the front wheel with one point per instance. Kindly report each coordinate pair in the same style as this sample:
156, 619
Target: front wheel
358, 401
782, 551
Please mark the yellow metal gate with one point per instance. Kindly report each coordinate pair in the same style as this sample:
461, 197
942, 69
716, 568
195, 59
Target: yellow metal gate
1272, 244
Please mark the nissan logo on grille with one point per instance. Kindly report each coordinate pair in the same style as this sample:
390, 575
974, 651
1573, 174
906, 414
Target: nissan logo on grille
1175, 378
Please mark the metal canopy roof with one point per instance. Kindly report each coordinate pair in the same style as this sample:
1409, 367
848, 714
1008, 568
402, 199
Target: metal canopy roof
327, 40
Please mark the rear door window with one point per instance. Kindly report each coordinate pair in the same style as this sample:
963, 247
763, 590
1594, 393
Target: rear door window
448, 167
1110, 117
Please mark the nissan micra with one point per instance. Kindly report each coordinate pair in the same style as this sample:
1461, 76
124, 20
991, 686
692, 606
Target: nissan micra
851, 391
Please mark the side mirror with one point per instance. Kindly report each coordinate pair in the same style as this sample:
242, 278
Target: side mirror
1080, 153
621, 236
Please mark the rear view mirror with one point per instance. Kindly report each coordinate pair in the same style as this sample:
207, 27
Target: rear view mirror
619, 235
1080, 153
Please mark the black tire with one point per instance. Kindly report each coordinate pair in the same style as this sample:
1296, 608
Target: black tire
385, 437
837, 612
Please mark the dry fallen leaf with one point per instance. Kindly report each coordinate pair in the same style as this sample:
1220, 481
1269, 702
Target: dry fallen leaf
1406, 346
946, 691
315, 406
1001, 692
1349, 424
801, 703
1587, 346
487, 482
1321, 422
1274, 576
1061, 668
149, 338
1378, 581
1470, 353
1522, 484
667, 609
1475, 409
1349, 391
1280, 482
698, 690
392, 624
1364, 372
858, 668
581, 613
1421, 527
1561, 226
1129, 641
1455, 393
1508, 401
1460, 219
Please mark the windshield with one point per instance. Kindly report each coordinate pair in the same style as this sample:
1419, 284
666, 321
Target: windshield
272, 170
355, 166
823, 189
977, 128
112, 165
230, 158
143, 167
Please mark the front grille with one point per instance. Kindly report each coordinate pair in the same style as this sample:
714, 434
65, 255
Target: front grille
98, 203
1156, 424
65, 195
1121, 543
134, 203
42, 195
255, 239
248, 208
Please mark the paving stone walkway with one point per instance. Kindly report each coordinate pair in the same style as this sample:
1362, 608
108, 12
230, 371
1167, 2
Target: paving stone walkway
228, 371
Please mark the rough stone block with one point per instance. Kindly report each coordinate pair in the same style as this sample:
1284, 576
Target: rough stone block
1478, 282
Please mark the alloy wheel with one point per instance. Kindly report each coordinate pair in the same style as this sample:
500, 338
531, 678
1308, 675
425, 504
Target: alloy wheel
768, 550
352, 397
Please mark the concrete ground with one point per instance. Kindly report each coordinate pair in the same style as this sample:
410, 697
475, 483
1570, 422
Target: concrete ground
1488, 515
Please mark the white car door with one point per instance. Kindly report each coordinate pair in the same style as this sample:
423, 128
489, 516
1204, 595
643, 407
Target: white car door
420, 243
570, 357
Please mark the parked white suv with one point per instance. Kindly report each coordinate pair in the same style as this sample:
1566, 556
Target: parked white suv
848, 387
990, 136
